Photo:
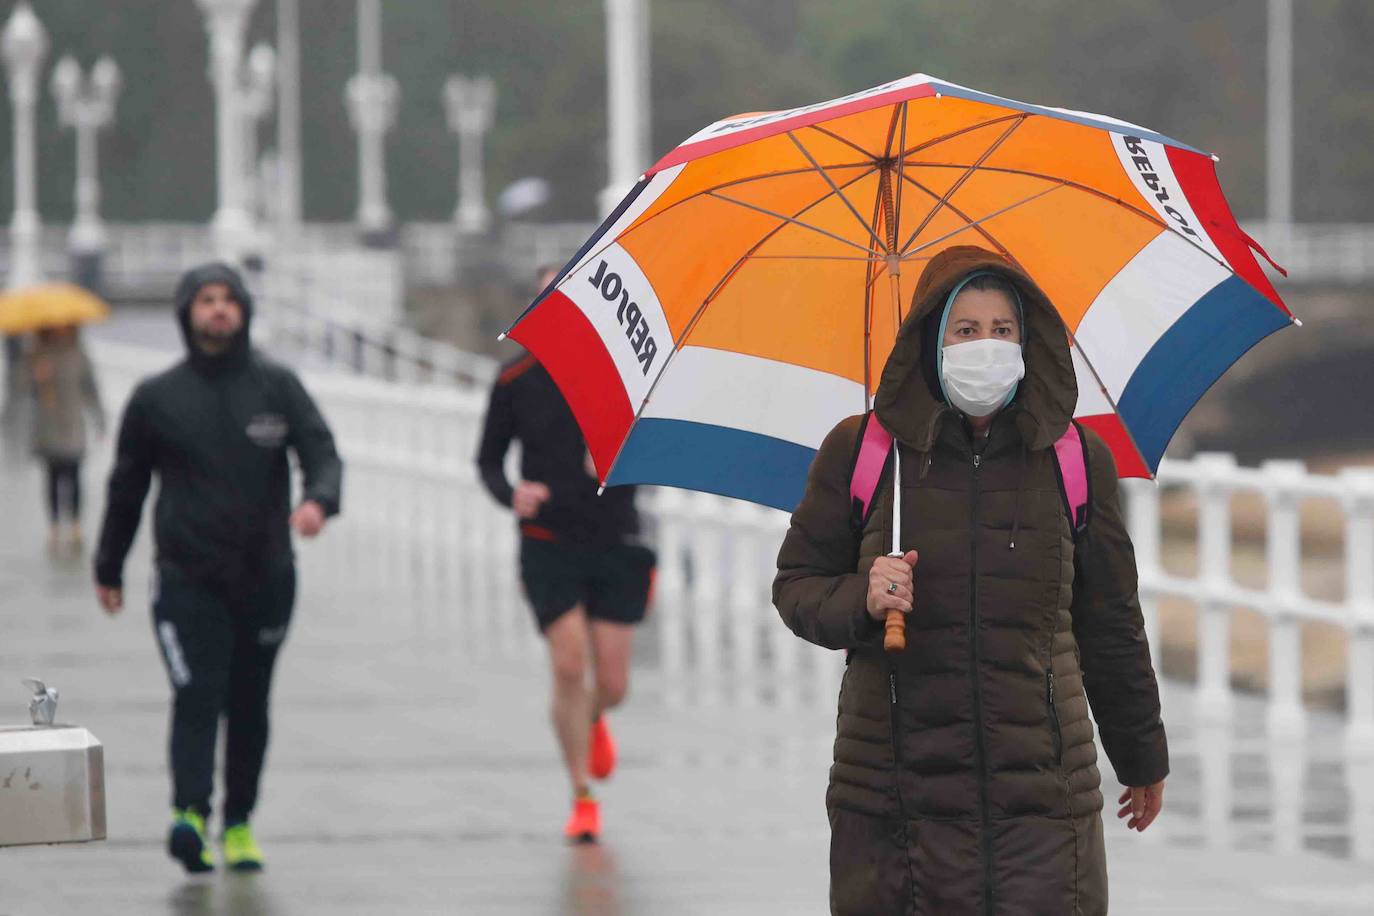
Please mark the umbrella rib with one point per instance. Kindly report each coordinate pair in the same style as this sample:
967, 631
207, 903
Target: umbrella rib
729, 184
794, 221
982, 219
901, 174
869, 277
791, 135
1053, 179
783, 173
691, 323
968, 173
1102, 387
936, 141
1087, 189
696, 316
992, 240
816, 257
836, 137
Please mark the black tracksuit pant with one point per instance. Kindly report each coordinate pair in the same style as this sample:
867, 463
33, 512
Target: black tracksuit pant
219, 644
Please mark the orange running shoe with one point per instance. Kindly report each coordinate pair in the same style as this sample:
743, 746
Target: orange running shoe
601, 756
584, 825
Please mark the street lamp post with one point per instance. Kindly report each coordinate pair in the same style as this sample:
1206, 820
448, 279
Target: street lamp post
627, 90
259, 89
288, 118
86, 106
470, 103
372, 97
24, 44
1279, 127
226, 21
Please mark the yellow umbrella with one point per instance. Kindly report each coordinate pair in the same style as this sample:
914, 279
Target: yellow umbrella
49, 305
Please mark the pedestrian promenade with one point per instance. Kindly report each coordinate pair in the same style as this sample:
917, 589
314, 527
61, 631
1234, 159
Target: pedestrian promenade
406, 778
412, 770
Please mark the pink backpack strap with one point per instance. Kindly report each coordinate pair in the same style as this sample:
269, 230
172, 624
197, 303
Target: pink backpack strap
1071, 455
868, 466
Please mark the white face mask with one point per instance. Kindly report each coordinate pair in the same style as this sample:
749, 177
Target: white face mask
980, 376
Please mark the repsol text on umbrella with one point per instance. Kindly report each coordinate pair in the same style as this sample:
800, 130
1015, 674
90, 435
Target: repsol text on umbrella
627, 313
1135, 146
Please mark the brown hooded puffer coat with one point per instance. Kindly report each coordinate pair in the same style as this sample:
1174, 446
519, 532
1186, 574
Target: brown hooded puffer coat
965, 778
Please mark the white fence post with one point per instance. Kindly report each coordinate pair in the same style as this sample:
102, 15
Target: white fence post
1284, 549
707, 592
745, 598
1359, 597
1143, 519
668, 508
1214, 623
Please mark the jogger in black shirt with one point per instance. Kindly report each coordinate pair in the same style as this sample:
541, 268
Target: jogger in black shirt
216, 429
585, 574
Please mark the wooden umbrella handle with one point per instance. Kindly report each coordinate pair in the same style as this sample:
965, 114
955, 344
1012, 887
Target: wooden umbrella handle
894, 631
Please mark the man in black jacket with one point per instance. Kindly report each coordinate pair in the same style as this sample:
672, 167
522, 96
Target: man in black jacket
586, 577
216, 428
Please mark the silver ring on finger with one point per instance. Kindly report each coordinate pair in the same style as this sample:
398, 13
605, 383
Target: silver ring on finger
892, 588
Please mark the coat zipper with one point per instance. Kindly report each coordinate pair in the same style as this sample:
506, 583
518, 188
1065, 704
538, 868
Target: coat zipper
896, 742
985, 839
897, 774
1054, 719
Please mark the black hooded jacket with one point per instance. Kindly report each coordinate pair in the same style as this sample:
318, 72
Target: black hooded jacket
216, 430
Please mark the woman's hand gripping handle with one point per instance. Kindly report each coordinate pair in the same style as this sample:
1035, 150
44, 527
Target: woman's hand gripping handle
890, 595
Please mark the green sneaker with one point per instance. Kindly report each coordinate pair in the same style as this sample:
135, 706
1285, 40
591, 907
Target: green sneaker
241, 852
186, 841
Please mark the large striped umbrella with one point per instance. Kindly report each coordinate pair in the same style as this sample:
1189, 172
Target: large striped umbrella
743, 297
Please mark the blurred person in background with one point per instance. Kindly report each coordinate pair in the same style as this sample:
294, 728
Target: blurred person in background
216, 429
587, 578
57, 379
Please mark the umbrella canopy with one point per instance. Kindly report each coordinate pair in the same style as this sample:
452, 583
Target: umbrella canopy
744, 296
49, 305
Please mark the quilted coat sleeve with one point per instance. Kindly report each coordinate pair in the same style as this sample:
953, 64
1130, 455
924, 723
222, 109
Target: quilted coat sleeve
820, 590
1117, 674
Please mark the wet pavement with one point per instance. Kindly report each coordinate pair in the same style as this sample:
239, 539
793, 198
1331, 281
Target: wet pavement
410, 773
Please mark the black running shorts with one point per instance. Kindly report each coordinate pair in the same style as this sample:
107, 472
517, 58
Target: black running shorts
612, 583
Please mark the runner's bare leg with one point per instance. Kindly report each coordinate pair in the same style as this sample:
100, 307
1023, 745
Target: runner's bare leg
569, 649
611, 663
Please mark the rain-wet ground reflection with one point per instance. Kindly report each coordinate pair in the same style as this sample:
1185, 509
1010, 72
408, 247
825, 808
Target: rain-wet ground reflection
228, 895
1230, 786
591, 882
412, 770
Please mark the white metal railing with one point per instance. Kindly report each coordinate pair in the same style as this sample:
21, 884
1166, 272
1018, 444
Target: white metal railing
318, 328
434, 252
422, 542
420, 528
144, 260
1213, 479
1319, 252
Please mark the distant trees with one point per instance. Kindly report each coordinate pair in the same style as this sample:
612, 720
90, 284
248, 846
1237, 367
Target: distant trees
1193, 69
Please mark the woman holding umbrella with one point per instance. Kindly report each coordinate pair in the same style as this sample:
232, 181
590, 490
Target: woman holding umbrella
755, 287
965, 776
53, 388
62, 389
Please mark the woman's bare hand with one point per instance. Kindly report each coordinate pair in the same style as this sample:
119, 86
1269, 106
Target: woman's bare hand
1142, 804
885, 573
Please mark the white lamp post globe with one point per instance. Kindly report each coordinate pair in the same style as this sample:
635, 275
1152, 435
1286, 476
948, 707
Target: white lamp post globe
106, 81
24, 43
86, 105
65, 84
